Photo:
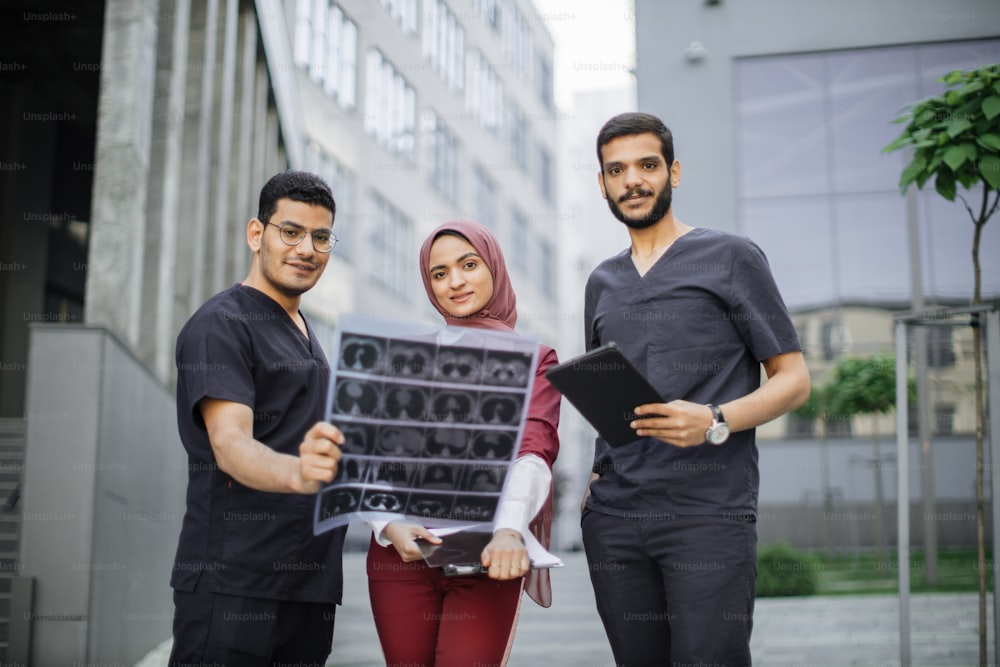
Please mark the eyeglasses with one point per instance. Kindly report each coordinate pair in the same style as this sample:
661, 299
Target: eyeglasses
322, 239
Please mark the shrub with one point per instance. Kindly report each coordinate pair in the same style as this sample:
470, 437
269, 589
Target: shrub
783, 570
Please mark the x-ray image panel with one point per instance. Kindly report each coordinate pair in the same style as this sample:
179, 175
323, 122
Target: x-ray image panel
375, 500
357, 398
439, 476
364, 354
392, 472
509, 369
358, 438
447, 443
410, 360
406, 402
472, 508
453, 406
351, 471
460, 365
334, 502
493, 445
501, 409
432, 419
430, 506
484, 479
400, 441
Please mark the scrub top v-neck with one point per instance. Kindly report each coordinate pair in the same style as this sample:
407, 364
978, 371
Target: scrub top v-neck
697, 324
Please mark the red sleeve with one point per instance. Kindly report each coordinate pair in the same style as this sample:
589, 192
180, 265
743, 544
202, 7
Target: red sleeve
541, 432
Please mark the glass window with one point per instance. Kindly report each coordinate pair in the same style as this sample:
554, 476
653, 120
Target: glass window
547, 268
543, 82
326, 46
517, 257
444, 43
403, 12
485, 197
812, 179
518, 41
518, 137
390, 104
441, 150
483, 91
390, 247
488, 11
545, 174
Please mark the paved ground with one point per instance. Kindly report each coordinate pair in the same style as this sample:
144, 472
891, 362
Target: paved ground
842, 631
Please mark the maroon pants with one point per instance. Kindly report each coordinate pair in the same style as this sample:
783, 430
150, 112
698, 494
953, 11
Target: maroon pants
425, 618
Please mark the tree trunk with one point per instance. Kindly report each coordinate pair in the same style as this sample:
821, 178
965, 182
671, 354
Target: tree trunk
977, 346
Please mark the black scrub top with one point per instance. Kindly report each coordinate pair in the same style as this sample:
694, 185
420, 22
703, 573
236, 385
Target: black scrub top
242, 346
698, 324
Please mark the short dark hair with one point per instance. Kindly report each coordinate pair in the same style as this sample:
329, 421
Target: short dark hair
298, 186
627, 124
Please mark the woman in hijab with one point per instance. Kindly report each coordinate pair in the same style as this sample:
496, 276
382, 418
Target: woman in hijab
422, 616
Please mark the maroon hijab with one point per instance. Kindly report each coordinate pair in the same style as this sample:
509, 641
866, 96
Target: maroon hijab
500, 312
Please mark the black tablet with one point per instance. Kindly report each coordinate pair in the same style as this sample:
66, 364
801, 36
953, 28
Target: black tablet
459, 553
605, 387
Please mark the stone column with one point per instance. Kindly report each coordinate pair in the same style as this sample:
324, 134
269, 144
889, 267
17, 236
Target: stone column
192, 207
156, 346
117, 231
222, 242
246, 189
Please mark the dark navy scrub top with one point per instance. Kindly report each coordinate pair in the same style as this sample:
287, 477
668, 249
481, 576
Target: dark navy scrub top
242, 346
698, 324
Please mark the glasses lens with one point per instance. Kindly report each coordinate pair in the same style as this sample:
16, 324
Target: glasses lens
323, 241
291, 235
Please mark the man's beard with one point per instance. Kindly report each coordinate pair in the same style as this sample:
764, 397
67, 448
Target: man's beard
660, 208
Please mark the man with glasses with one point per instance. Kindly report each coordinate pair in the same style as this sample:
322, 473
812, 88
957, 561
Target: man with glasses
252, 584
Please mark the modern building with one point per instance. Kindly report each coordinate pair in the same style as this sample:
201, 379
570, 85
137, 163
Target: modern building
780, 111
136, 138
424, 112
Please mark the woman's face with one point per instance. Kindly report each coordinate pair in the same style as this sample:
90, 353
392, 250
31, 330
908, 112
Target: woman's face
460, 279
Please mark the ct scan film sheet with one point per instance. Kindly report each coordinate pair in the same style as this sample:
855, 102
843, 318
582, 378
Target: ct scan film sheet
432, 419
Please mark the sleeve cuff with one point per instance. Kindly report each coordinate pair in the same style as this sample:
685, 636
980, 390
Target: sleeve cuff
527, 489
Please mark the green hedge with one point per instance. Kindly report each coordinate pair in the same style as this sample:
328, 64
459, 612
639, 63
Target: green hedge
783, 570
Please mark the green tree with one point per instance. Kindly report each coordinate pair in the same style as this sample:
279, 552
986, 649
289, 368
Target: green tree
861, 386
955, 139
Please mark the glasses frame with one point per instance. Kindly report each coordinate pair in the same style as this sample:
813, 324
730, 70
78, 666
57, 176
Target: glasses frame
281, 227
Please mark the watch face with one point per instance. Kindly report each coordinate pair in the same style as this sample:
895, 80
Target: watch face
718, 434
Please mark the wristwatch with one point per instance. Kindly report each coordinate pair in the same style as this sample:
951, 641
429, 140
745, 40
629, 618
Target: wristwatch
718, 432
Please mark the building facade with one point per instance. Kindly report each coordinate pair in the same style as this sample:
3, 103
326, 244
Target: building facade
422, 112
780, 112
134, 148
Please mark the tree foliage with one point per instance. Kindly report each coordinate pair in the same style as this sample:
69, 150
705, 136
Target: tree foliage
955, 136
856, 386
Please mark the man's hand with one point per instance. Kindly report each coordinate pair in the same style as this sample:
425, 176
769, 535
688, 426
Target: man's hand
319, 455
678, 423
506, 556
586, 492
404, 538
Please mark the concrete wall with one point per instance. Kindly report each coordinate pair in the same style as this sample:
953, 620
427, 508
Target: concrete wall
102, 499
793, 506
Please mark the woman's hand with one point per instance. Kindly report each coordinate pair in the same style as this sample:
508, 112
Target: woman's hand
404, 538
506, 556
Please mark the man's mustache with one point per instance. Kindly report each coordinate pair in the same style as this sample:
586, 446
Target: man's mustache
635, 191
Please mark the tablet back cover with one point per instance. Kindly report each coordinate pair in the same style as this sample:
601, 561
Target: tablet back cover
605, 387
